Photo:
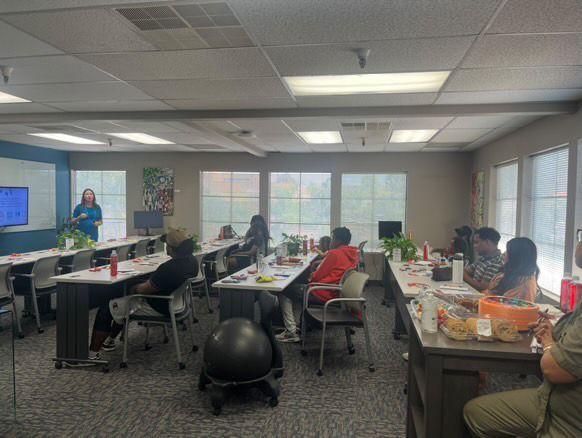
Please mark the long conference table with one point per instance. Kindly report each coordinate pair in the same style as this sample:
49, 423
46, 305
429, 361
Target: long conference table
80, 291
238, 299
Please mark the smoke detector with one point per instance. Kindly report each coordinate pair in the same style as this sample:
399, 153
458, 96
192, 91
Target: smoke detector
245, 134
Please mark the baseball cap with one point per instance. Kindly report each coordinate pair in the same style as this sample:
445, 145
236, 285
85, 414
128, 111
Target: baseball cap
174, 237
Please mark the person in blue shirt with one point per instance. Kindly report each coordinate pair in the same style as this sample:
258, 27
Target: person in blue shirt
87, 215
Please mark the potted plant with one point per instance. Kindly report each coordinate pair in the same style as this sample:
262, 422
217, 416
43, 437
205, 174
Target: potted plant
294, 243
407, 247
80, 239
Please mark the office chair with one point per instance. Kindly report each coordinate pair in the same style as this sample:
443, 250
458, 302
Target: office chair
199, 282
81, 261
7, 296
141, 248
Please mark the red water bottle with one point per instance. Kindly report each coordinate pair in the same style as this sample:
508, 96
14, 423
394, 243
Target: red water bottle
113, 264
565, 293
425, 251
575, 292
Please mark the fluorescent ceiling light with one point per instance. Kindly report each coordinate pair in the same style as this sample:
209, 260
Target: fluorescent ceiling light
9, 98
412, 135
67, 138
420, 82
141, 138
321, 137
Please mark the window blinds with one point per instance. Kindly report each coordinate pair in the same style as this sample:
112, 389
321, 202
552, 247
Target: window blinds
506, 202
548, 215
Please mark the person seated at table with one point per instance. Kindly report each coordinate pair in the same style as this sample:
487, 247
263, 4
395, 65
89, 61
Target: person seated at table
338, 260
553, 409
321, 249
490, 261
165, 279
519, 276
256, 240
465, 234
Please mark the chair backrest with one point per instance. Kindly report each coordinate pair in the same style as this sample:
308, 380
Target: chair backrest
353, 287
5, 283
221, 267
159, 246
123, 253
43, 270
179, 298
141, 247
82, 260
362, 255
201, 274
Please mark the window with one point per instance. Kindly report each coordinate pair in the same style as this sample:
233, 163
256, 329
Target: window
228, 198
370, 198
300, 203
548, 215
109, 188
506, 202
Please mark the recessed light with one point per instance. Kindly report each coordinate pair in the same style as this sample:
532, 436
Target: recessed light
9, 98
321, 137
139, 137
67, 138
412, 135
419, 82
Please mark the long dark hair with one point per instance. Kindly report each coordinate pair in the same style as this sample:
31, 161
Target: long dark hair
522, 256
95, 205
258, 226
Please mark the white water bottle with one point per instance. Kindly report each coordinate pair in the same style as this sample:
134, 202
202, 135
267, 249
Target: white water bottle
429, 319
397, 255
458, 267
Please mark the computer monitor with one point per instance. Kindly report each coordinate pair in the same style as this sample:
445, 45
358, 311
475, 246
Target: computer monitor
147, 220
13, 206
389, 229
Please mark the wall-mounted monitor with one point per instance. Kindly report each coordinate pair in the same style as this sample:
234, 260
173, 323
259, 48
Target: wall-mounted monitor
13, 206
389, 229
148, 219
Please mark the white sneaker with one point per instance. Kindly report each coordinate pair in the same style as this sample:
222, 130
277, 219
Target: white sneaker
405, 356
287, 336
92, 356
108, 345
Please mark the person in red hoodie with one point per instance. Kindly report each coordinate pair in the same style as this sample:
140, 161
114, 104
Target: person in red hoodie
338, 260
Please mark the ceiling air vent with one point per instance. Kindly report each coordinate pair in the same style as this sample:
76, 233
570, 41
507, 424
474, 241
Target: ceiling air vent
365, 126
153, 18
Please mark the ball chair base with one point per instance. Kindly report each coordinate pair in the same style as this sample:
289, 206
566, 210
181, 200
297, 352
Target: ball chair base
268, 384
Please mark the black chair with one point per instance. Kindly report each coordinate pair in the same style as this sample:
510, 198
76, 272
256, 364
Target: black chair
7, 296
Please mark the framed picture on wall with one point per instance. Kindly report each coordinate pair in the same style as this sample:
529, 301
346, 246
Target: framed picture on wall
478, 199
158, 190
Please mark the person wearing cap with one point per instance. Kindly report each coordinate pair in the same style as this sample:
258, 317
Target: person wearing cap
165, 279
553, 409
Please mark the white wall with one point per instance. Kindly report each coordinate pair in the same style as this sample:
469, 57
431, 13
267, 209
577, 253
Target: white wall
438, 183
539, 136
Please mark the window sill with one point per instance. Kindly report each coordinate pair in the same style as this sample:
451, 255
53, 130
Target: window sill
551, 296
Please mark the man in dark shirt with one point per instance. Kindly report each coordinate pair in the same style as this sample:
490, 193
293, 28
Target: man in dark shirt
490, 261
166, 279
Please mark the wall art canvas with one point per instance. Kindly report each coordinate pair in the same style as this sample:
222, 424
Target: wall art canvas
478, 199
158, 190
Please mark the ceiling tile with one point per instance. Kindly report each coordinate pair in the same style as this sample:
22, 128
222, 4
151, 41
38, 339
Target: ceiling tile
112, 105
329, 148
404, 147
368, 148
21, 108
14, 42
87, 30
385, 57
207, 104
281, 22
516, 79
315, 124
492, 136
526, 51
367, 100
458, 135
53, 69
420, 122
476, 97
261, 127
539, 16
232, 89
185, 64
77, 92
481, 121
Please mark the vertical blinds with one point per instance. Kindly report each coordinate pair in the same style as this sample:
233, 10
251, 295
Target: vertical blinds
548, 215
506, 202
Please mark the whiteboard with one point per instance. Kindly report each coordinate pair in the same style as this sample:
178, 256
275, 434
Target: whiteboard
40, 178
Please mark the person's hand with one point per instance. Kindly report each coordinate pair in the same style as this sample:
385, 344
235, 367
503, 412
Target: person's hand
543, 332
83, 216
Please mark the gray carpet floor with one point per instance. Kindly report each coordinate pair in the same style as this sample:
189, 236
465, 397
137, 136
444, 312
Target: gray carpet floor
153, 398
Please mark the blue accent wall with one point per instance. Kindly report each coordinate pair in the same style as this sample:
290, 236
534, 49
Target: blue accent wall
41, 239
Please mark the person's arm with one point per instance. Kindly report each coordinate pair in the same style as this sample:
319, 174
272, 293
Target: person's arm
324, 269
477, 284
145, 288
77, 215
98, 218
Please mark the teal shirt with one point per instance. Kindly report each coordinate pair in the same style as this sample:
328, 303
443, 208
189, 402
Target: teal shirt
87, 226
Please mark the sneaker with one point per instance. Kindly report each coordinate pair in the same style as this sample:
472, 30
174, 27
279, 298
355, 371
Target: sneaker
108, 345
287, 336
92, 356
405, 356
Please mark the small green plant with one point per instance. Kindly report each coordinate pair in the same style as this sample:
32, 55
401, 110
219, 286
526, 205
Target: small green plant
294, 243
80, 239
407, 247
196, 240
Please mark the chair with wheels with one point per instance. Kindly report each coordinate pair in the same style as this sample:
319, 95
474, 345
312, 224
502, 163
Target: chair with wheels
7, 296
199, 282
40, 282
353, 305
180, 303
362, 256
81, 261
141, 248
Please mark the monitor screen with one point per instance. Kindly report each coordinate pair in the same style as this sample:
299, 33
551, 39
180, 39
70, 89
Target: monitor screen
148, 219
13, 206
389, 228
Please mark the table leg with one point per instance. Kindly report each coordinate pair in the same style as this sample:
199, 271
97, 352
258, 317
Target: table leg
236, 303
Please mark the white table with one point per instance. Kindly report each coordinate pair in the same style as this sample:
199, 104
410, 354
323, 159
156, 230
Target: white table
238, 299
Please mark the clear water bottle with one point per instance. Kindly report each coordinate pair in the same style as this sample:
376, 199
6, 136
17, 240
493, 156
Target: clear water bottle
429, 319
260, 262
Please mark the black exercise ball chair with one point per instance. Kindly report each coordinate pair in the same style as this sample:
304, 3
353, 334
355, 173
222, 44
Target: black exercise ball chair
241, 352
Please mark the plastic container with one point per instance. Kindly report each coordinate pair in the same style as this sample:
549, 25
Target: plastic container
458, 266
565, 293
397, 255
113, 263
260, 262
520, 312
425, 251
429, 318
575, 287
